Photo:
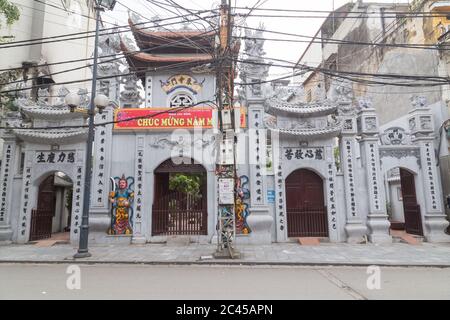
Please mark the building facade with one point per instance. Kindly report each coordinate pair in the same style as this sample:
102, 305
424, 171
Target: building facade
319, 168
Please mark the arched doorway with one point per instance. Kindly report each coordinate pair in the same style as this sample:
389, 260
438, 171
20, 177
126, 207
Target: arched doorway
306, 211
180, 199
404, 208
52, 214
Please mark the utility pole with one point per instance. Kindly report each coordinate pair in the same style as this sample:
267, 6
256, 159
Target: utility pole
226, 160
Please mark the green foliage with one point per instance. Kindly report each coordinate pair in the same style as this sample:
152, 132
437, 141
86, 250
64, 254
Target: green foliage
185, 183
10, 11
7, 99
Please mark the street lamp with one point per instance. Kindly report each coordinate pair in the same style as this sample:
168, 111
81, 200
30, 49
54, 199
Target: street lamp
101, 102
83, 252
73, 101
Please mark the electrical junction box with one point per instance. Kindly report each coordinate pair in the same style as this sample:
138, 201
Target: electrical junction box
226, 191
226, 152
226, 119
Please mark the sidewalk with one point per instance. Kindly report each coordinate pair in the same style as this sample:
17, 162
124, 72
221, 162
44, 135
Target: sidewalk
397, 254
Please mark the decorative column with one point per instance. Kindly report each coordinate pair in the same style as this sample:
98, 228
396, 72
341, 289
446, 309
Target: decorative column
377, 220
100, 219
254, 71
6, 180
260, 221
422, 129
138, 210
354, 227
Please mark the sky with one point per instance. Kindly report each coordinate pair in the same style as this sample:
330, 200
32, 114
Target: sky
279, 50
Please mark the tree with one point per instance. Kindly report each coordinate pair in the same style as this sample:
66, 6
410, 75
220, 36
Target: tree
188, 184
10, 11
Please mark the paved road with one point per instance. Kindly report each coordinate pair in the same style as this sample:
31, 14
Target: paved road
219, 282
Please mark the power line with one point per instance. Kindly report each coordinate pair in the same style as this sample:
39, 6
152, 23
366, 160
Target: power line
433, 80
169, 111
87, 59
334, 11
338, 41
155, 69
115, 29
120, 56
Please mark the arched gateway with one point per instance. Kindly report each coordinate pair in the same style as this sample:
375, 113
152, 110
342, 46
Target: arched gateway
52, 214
306, 210
180, 200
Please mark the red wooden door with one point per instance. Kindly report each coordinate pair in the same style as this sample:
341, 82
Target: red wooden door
42, 217
306, 211
411, 209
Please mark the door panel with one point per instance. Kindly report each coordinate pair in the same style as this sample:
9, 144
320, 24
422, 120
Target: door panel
307, 214
413, 219
42, 217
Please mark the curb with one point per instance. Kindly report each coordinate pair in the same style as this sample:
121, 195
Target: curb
223, 263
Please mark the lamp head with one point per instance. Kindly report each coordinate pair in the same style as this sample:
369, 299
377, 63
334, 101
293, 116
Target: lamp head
101, 102
73, 101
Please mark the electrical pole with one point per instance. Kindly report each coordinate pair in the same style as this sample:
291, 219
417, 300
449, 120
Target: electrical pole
226, 160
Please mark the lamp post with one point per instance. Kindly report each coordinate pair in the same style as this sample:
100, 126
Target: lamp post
101, 102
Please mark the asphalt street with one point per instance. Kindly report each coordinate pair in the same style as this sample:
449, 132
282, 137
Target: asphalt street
25, 281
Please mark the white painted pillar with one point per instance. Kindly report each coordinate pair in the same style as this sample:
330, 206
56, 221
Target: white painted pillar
6, 180
377, 219
138, 205
260, 221
422, 128
355, 228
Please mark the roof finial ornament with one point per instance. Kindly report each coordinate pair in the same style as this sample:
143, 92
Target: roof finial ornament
418, 102
365, 103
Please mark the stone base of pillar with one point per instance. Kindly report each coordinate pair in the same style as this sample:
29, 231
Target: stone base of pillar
99, 222
260, 222
379, 227
435, 229
356, 232
6, 234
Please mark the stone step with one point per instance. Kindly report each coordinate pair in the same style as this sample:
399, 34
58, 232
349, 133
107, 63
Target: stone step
176, 241
403, 237
309, 241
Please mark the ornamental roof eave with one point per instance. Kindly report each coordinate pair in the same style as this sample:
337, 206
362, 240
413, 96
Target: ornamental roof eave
156, 58
51, 113
169, 33
304, 109
52, 136
329, 131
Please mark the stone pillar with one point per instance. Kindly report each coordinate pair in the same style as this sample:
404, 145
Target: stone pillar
377, 220
6, 181
260, 221
354, 227
138, 209
422, 128
100, 211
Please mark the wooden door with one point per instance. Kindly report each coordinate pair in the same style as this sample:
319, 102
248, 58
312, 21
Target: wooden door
42, 216
411, 209
306, 211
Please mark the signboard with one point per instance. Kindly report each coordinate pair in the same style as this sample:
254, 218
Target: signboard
182, 81
167, 119
271, 196
304, 154
48, 157
226, 191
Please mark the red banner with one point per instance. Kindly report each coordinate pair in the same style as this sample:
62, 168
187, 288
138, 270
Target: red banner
164, 119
